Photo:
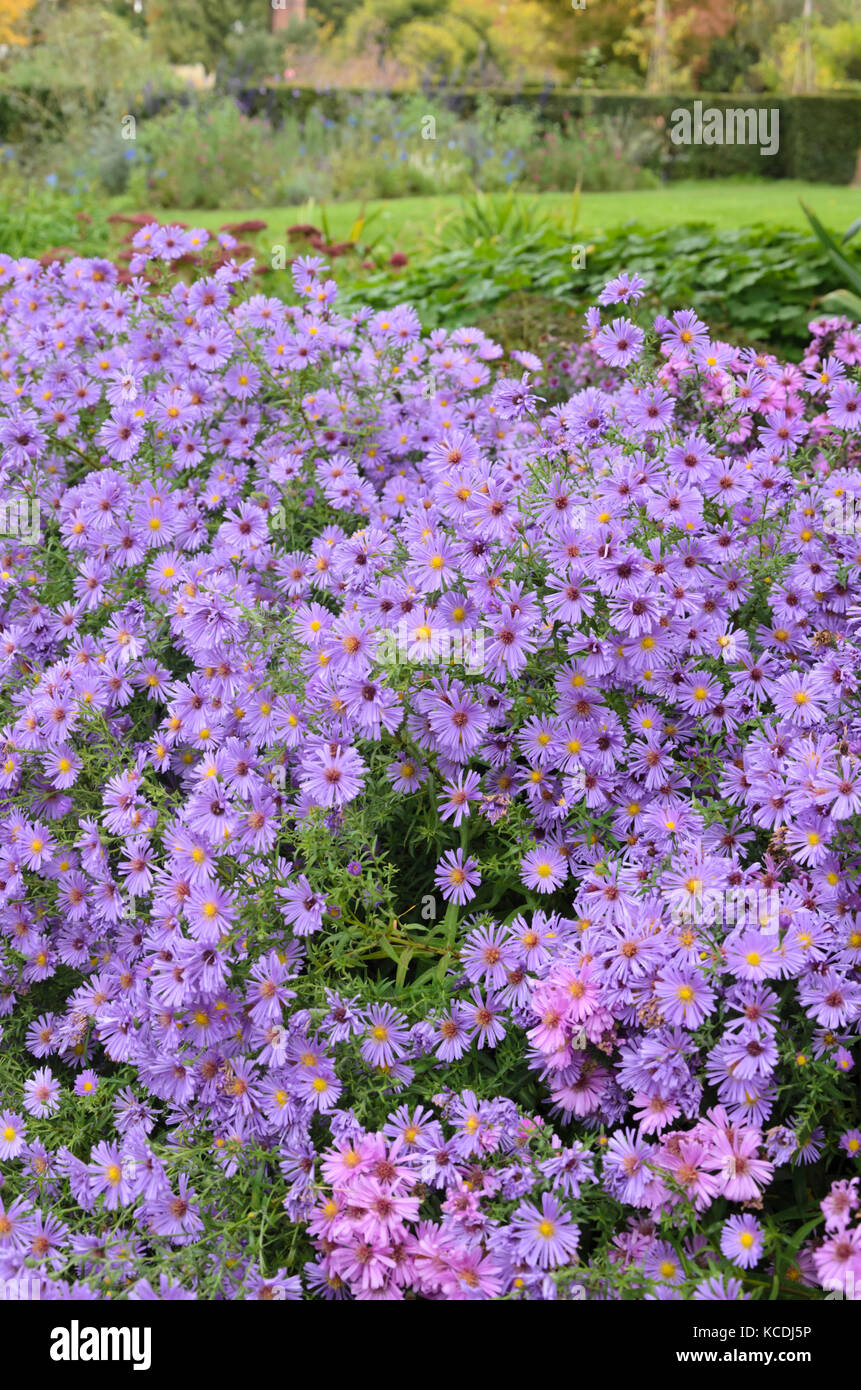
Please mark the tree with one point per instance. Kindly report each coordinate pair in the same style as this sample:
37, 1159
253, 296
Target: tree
197, 31
334, 13
380, 23
804, 78
658, 74
470, 40
87, 43
13, 14
805, 46
617, 32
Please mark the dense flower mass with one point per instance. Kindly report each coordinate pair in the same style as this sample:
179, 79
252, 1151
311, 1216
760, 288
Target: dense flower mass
428, 812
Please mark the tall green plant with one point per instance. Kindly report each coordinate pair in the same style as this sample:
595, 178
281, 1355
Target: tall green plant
846, 300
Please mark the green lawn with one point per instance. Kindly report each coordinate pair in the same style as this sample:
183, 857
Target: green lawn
409, 223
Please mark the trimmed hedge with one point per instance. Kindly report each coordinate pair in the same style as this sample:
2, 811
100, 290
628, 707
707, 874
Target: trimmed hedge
820, 136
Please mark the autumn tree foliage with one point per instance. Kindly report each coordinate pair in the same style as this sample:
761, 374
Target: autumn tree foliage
13, 16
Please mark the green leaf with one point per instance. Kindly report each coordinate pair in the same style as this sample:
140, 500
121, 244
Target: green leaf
403, 966
793, 1246
850, 274
386, 946
843, 302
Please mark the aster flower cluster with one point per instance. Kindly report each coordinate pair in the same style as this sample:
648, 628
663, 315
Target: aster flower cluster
367, 1225
837, 1257
428, 817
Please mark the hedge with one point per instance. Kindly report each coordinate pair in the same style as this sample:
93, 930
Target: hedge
820, 136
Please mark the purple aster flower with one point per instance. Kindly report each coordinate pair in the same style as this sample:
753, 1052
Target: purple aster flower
619, 344
457, 876
386, 1036
13, 1132
741, 1241
546, 1236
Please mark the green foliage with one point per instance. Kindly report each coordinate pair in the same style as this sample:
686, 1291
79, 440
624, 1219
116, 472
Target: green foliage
431, 39
197, 31
843, 301
483, 219
88, 59
333, 12
34, 219
209, 153
64, 98
249, 57
840, 50
819, 135
728, 63
206, 157
343, 143
601, 153
87, 47
757, 282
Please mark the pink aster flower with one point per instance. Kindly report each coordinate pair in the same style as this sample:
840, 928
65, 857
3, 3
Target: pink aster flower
333, 775
622, 289
840, 1204
619, 344
41, 1093
838, 1261
844, 406
741, 1173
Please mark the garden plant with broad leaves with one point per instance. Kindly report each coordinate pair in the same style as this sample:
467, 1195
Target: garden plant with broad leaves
428, 814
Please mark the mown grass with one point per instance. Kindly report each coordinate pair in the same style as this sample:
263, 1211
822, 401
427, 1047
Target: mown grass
412, 224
